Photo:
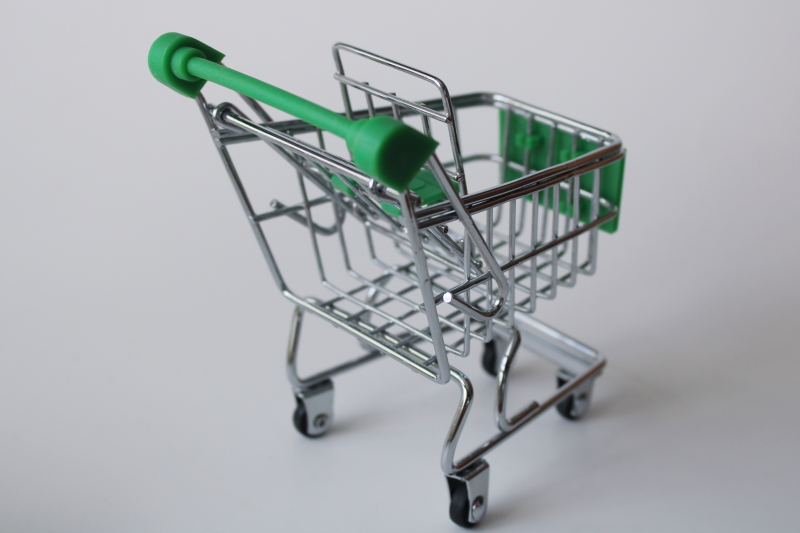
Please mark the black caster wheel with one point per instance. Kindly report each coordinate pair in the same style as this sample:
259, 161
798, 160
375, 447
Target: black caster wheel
300, 418
460, 506
565, 408
489, 359
574, 406
469, 491
314, 412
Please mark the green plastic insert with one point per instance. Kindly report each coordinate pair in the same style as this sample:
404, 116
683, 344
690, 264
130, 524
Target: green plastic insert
537, 142
383, 147
423, 185
426, 186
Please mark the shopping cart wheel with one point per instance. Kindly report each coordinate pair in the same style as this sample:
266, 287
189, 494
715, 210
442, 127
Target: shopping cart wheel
314, 412
469, 494
489, 359
574, 406
459, 506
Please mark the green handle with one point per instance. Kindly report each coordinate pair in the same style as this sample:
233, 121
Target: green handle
382, 147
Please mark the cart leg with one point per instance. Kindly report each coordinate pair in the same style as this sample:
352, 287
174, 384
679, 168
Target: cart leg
467, 480
314, 412
469, 494
573, 358
468, 477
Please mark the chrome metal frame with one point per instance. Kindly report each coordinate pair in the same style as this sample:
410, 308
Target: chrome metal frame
489, 279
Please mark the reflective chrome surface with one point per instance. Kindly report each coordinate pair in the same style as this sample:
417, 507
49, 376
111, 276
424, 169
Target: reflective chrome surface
469, 268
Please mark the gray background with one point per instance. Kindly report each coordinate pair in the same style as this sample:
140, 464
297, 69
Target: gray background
141, 338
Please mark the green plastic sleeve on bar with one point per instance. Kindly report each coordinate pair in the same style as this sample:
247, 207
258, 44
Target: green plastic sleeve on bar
269, 94
382, 147
163, 52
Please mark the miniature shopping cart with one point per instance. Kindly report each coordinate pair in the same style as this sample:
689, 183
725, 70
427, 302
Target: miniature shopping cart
415, 260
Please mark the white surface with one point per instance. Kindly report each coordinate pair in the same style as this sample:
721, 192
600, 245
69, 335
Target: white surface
141, 338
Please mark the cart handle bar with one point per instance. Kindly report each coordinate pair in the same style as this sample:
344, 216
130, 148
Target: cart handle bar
383, 147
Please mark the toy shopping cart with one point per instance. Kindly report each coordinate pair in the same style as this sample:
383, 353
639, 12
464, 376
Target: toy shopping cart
414, 260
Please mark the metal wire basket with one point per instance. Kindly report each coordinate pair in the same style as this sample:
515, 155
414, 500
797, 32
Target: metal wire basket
426, 271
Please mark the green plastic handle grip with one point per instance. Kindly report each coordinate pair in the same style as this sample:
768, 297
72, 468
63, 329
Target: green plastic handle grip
382, 147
